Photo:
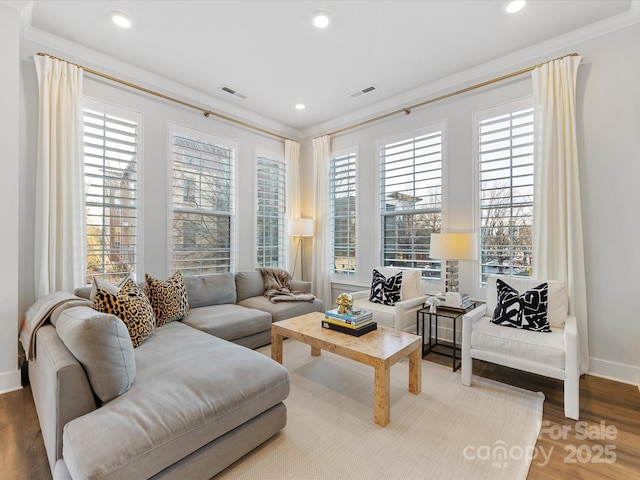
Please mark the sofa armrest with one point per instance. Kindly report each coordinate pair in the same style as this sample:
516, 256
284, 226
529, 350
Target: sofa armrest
360, 294
468, 320
60, 388
571, 345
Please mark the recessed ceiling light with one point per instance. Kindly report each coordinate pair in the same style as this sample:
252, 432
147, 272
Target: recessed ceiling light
120, 19
300, 106
321, 19
515, 6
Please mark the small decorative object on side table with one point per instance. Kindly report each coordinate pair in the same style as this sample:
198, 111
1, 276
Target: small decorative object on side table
441, 311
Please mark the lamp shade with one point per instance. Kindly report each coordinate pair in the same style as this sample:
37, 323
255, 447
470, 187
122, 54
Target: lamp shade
453, 246
301, 227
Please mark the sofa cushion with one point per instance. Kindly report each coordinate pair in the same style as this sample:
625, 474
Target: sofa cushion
249, 284
514, 342
282, 310
385, 290
102, 345
131, 306
229, 322
382, 314
527, 311
101, 283
168, 298
212, 289
557, 308
190, 389
411, 281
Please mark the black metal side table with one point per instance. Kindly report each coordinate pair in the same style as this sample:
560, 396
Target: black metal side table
442, 312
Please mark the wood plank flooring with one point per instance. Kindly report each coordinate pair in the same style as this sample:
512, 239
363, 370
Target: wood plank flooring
604, 444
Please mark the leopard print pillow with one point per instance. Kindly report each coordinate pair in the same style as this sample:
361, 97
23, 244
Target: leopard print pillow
131, 306
168, 299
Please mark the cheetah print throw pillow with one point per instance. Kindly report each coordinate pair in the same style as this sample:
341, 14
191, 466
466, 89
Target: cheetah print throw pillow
131, 306
168, 299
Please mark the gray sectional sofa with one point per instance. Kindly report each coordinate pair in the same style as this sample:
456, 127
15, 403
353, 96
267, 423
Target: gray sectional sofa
186, 403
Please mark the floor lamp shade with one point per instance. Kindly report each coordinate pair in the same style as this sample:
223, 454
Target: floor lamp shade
453, 247
301, 227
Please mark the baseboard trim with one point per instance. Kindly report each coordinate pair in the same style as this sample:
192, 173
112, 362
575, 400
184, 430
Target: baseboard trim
614, 371
10, 381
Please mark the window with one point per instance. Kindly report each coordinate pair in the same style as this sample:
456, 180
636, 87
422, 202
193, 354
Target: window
271, 180
111, 147
342, 211
202, 202
506, 190
411, 200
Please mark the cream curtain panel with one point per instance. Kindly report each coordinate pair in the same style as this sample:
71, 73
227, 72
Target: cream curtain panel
558, 251
319, 267
59, 218
292, 162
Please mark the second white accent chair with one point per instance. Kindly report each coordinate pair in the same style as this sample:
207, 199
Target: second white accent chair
551, 354
402, 315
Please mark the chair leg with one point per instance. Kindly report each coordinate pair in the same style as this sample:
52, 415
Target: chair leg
572, 397
467, 367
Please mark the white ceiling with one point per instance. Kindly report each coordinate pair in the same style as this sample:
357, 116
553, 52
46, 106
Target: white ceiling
269, 51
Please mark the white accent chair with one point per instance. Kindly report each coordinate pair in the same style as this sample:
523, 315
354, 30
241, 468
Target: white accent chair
402, 315
552, 354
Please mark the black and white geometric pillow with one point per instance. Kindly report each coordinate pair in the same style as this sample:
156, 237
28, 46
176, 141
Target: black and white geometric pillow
385, 290
507, 312
527, 311
534, 304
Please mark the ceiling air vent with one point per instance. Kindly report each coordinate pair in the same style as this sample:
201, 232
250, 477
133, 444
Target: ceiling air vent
233, 92
368, 89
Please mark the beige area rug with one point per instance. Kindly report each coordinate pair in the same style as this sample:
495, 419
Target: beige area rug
449, 431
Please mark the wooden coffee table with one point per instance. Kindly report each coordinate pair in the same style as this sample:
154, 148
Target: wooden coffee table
380, 349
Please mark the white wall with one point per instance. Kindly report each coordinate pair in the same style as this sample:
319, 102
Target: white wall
609, 147
9, 125
154, 171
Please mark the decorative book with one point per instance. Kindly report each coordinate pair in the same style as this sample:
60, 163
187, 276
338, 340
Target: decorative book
356, 332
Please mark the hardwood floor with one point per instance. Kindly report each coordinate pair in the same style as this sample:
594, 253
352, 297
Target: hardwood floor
604, 444
22, 453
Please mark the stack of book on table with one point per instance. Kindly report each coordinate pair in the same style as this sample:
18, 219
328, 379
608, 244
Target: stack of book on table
356, 324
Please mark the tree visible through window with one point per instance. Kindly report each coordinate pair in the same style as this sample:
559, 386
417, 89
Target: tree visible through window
411, 201
506, 148
111, 186
202, 198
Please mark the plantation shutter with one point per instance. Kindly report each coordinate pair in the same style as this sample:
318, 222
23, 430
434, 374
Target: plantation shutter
203, 203
506, 150
111, 182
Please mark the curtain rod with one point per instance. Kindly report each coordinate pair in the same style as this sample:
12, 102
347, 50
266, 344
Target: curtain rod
207, 113
407, 110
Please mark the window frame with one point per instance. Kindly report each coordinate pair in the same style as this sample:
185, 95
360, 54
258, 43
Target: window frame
339, 154
508, 108
283, 242
434, 273
137, 117
207, 137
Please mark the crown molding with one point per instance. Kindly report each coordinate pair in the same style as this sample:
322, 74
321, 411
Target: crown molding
538, 53
35, 40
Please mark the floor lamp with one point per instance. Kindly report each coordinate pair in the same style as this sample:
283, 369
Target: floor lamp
300, 227
453, 247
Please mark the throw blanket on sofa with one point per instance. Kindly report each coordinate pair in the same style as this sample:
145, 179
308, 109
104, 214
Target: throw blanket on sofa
277, 287
39, 312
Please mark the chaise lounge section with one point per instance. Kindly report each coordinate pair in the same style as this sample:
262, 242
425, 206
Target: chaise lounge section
194, 400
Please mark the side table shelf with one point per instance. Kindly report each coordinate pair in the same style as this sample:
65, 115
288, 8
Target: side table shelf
453, 314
